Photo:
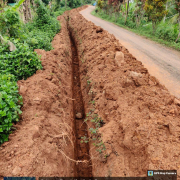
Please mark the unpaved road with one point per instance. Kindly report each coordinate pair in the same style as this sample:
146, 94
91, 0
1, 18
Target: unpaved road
162, 62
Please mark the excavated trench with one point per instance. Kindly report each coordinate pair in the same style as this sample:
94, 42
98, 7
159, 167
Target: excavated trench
83, 167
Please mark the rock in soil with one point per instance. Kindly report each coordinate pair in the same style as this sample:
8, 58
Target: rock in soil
79, 116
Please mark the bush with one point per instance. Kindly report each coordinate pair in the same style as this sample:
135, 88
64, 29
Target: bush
9, 106
61, 11
41, 31
10, 23
167, 32
39, 40
22, 62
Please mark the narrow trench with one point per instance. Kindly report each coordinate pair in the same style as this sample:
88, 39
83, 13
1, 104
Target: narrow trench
82, 169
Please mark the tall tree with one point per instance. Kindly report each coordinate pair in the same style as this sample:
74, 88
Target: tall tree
139, 11
127, 10
178, 9
3, 3
155, 10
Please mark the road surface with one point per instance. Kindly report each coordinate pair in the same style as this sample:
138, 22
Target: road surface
161, 62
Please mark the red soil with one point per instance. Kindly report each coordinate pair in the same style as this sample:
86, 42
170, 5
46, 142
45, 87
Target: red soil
142, 120
44, 135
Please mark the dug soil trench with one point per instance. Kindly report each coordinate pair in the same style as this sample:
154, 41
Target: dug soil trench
133, 121
93, 110
83, 167
44, 142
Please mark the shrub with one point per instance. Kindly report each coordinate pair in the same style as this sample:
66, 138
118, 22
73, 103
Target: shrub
41, 31
22, 62
10, 23
61, 11
10, 102
39, 40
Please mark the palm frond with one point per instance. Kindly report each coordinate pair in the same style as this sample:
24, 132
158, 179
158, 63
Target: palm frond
17, 5
174, 19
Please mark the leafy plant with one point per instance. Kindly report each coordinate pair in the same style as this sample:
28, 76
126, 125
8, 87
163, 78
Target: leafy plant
95, 137
10, 23
155, 10
10, 103
22, 62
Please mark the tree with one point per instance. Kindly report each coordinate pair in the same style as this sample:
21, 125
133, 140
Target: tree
178, 9
139, 11
155, 10
26, 11
117, 8
2, 5
127, 10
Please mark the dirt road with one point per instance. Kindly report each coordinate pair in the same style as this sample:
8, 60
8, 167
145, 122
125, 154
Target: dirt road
162, 62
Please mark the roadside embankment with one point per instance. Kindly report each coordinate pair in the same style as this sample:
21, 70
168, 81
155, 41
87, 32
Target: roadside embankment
134, 122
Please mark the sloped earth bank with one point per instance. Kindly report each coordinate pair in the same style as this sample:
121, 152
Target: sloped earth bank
44, 140
142, 119
91, 112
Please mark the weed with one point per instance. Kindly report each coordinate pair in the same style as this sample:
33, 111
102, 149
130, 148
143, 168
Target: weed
95, 137
92, 102
88, 82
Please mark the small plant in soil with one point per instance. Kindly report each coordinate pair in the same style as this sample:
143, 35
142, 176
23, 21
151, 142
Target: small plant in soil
95, 136
82, 61
92, 102
80, 41
100, 147
85, 139
88, 82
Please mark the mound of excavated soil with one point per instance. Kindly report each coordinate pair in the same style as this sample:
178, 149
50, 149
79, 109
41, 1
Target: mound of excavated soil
142, 119
44, 136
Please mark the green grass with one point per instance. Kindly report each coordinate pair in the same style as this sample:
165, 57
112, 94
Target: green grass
145, 31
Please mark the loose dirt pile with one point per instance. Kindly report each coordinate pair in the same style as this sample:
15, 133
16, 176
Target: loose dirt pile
44, 136
142, 120
92, 102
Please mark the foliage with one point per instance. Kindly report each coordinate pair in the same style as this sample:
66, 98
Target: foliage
156, 19
46, 2
10, 102
22, 62
74, 3
61, 11
92, 2
41, 31
100, 4
10, 23
71, 3
166, 32
95, 136
17, 5
155, 10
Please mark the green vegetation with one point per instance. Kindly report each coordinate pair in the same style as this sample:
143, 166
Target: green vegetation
23, 62
10, 102
94, 123
95, 137
158, 20
42, 29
